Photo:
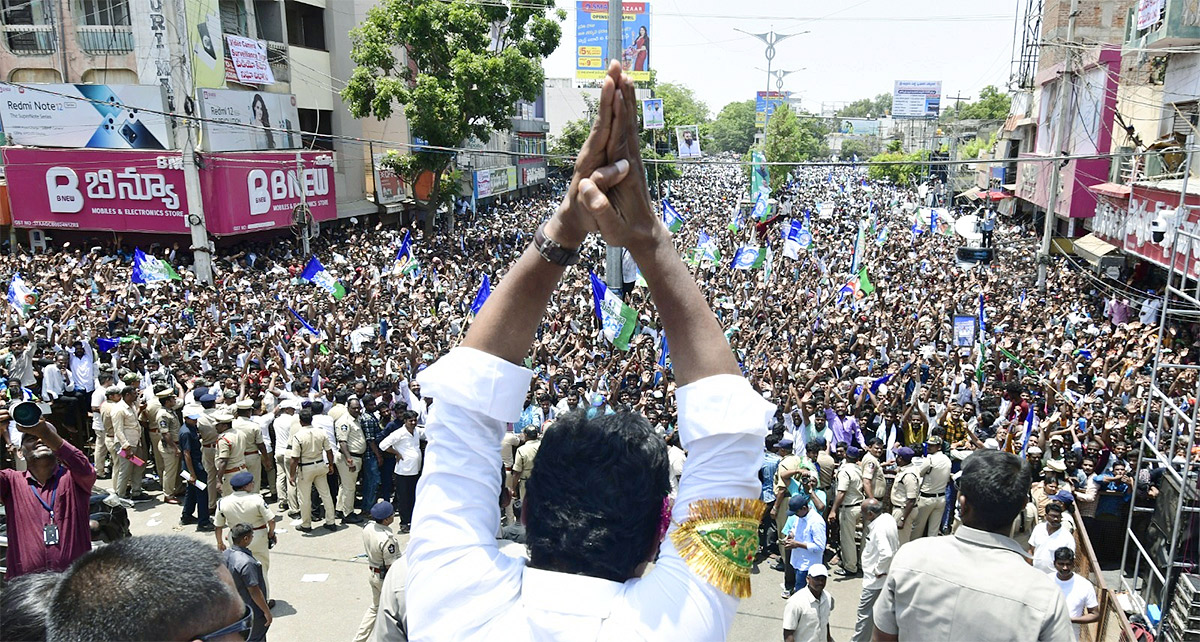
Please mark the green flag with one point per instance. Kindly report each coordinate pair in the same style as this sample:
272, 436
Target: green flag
864, 283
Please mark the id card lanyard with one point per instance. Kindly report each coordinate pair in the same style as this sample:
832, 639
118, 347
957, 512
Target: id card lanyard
49, 531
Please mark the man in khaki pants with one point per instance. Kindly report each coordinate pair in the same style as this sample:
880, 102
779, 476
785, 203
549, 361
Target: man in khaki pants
935, 475
311, 459
166, 425
128, 432
847, 509
352, 445
905, 491
382, 551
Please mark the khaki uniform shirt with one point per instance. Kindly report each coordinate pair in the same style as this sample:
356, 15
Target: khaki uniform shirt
873, 474
309, 444
523, 464
167, 424
850, 480
207, 427
251, 436
106, 417
936, 471
350, 431
789, 463
381, 545
974, 585
508, 445
243, 506
907, 486
827, 468
231, 447
126, 428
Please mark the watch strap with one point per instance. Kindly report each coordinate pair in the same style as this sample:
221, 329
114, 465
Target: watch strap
552, 251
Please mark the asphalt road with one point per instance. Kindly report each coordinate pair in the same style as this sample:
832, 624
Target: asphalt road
331, 608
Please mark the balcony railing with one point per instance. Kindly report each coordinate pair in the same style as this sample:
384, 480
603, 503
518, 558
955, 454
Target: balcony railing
102, 39
277, 57
1178, 25
29, 40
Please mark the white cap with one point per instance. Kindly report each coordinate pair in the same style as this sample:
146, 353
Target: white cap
818, 570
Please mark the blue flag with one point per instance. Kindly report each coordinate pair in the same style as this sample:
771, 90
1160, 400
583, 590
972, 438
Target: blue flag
982, 319
107, 345
879, 382
1029, 420
662, 359
21, 296
671, 218
304, 323
485, 290
406, 261
149, 270
319, 276
316, 381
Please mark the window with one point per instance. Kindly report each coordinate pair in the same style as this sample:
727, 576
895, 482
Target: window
269, 20
1185, 118
110, 76
104, 13
31, 26
316, 128
39, 75
233, 17
305, 25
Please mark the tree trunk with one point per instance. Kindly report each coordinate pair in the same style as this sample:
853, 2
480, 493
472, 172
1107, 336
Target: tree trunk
435, 197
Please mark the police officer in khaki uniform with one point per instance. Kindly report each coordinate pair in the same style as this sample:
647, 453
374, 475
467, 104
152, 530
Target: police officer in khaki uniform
166, 425
382, 551
208, 442
256, 448
128, 432
847, 509
523, 462
231, 449
352, 445
935, 475
905, 491
245, 505
309, 461
874, 483
112, 397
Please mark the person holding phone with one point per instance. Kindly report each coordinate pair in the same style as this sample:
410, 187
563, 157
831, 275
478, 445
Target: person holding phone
46, 504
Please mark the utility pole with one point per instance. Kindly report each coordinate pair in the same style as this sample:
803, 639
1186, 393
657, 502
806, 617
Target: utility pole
305, 218
612, 256
1064, 116
770, 39
185, 129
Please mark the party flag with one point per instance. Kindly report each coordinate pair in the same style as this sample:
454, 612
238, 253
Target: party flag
485, 290
671, 218
617, 318
304, 323
748, 258
21, 296
406, 261
148, 270
319, 276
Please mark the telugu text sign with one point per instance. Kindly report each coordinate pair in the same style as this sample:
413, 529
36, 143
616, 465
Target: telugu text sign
916, 99
591, 40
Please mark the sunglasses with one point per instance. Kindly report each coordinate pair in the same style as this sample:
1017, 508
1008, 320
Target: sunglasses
237, 627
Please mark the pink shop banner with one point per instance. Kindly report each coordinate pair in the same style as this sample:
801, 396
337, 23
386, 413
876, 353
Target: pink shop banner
104, 190
255, 191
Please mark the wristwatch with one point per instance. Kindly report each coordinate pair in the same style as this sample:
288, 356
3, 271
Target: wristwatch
552, 251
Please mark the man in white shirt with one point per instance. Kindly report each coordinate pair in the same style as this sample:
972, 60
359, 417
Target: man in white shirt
806, 614
1078, 591
284, 425
881, 545
55, 378
83, 366
459, 585
1049, 536
404, 443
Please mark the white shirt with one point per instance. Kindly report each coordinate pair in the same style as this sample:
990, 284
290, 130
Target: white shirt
877, 552
83, 369
676, 457
808, 615
1080, 594
1044, 544
283, 431
54, 382
460, 587
325, 422
409, 447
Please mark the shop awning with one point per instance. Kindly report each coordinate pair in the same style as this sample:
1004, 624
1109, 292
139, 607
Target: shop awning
972, 194
1093, 248
1114, 190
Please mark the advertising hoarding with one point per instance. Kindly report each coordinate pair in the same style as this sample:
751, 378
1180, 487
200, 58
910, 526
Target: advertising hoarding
688, 140
80, 116
208, 47
389, 187
591, 39
765, 104
497, 180
86, 189
248, 114
916, 99
254, 192
1148, 13
249, 59
652, 114
859, 127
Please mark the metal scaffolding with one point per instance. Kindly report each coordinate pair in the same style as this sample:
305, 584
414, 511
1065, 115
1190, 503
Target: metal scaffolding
1160, 539
1026, 44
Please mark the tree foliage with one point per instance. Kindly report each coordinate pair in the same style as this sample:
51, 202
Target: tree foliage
876, 107
656, 172
569, 142
681, 107
976, 146
468, 64
792, 140
992, 105
852, 147
733, 130
898, 174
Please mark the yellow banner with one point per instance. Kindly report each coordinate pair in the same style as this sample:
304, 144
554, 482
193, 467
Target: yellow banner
207, 43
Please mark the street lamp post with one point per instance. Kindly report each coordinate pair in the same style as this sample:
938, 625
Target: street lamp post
770, 39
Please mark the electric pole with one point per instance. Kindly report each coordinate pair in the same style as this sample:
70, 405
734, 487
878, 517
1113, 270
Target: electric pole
1064, 115
770, 39
612, 256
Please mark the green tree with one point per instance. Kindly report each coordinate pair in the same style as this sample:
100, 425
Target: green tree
569, 142
468, 64
658, 172
876, 107
895, 146
792, 140
852, 147
680, 106
898, 174
733, 129
992, 105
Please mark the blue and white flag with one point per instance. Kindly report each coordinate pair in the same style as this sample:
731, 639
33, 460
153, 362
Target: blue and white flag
307, 326
618, 319
759, 213
150, 270
1030, 419
662, 359
670, 217
708, 248
798, 238
406, 261
20, 296
485, 290
319, 276
748, 258
106, 344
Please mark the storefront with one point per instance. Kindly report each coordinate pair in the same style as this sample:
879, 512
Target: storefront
144, 191
1129, 227
493, 183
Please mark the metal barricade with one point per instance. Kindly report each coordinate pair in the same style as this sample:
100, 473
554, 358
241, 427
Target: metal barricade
1112, 626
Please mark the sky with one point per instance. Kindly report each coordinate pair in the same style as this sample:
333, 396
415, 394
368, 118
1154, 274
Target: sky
854, 48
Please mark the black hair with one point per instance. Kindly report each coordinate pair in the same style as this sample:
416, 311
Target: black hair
813, 447
594, 501
874, 441
103, 595
1055, 507
996, 484
25, 607
240, 530
1064, 554
306, 415
341, 396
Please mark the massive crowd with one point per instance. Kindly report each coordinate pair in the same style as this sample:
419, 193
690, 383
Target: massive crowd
265, 373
